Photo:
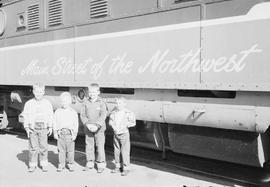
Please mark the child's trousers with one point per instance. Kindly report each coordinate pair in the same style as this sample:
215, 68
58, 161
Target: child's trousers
97, 140
66, 148
38, 144
121, 143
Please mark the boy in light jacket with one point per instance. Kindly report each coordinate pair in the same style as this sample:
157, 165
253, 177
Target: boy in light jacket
38, 117
65, 129
120, 120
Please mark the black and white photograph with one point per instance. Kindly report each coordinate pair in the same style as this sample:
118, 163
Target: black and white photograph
135, 93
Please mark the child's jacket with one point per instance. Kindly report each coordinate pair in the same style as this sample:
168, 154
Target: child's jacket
121, 120
94, 113
66, 119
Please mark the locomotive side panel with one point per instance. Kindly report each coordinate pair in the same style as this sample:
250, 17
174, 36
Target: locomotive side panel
34, 62
239, 50
192, 53
57, 58
139, 21
230, 8
145, 57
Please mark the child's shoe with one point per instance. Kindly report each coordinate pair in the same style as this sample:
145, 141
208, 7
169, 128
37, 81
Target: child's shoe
100, 170
60, 168
125, 173
71, 168
32, 169
89, 165
116, 170
44, 168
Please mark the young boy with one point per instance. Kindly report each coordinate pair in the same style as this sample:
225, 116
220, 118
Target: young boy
38, 115
93, 115
120, 120
65, 129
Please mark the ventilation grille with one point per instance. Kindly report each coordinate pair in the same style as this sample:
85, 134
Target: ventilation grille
98, 8
55, 13
33, 17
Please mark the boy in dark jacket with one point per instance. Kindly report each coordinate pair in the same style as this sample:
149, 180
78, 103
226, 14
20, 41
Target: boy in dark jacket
93, 115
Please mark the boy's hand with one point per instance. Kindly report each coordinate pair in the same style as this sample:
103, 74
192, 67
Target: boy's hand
55, 135
28, 131
74, 137
49, 131
131, 120
92, 127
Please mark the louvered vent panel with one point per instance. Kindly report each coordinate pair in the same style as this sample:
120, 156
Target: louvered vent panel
55, 8
98, 8
33, 17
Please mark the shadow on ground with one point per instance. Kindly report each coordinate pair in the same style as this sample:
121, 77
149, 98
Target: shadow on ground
24, 157
80, 157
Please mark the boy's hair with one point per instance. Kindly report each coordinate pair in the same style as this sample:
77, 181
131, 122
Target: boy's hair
94, 85
37, 86
66, 95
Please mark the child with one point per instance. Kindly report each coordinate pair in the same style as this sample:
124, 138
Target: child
93, 115
65, 131
37, 115
120, 120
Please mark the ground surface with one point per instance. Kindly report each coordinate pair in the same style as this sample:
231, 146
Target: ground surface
14, 161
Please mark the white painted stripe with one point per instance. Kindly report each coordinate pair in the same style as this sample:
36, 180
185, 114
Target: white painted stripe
258, 12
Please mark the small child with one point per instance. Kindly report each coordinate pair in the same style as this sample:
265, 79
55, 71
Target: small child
65, 131
93, 116
37, 115
120, 120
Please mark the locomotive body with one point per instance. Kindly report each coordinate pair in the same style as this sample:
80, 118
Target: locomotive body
194, 72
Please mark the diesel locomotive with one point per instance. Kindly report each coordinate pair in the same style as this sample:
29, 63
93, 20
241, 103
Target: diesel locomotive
195, 72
